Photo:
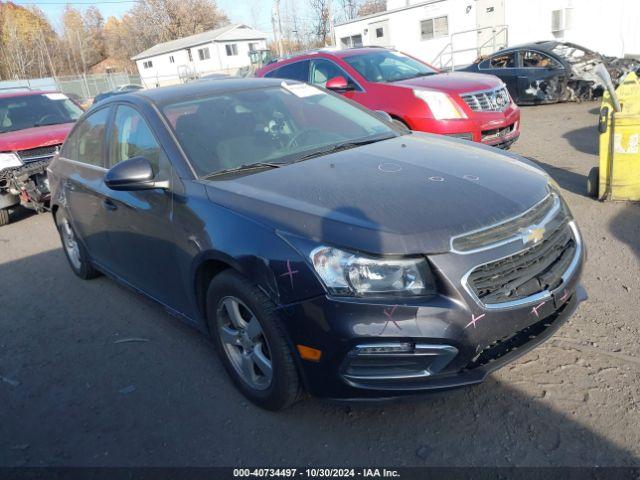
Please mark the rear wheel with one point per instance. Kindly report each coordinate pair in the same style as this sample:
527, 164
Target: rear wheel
4, 216
593, 182
73, 249
250, 341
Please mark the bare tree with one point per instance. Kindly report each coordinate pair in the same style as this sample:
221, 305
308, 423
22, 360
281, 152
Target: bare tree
369, 7
320, 21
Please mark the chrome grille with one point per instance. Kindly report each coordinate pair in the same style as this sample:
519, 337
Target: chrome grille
535, 270
38, 153
494, 100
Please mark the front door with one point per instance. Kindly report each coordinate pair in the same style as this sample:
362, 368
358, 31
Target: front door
379, 33
140, 222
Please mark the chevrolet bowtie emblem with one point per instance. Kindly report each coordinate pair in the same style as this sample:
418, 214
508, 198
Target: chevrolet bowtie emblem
532, 235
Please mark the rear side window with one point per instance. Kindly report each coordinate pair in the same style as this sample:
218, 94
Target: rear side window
533, 59
86, 143
294, 71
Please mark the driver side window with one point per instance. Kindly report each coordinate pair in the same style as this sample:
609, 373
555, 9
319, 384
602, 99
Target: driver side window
323, 70
132, 137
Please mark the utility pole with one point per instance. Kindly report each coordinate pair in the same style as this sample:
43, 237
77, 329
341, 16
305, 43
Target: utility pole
330, 8
277, 27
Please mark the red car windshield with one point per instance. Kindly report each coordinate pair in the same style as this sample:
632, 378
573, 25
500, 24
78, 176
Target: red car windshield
388, 66
27, 111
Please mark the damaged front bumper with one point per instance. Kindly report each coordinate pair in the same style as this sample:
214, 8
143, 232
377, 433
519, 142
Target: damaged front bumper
26, 185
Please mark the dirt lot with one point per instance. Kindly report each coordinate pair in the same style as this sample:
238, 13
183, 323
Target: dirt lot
71, 395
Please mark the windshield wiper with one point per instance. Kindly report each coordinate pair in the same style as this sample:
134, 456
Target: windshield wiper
342, 146
246, 166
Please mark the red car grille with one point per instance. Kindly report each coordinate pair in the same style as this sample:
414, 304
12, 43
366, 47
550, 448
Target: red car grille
495, 100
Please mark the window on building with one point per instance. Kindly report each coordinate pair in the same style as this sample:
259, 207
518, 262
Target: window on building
379, 32
147, 64
203, 53
352, 41
171, 59
253, 47
434, 28
232, 49
189, 55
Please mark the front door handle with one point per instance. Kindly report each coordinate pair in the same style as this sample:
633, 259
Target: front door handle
109, 205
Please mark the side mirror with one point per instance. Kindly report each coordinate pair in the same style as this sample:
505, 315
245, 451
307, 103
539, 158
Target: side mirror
338, 84
132, 174
384, 115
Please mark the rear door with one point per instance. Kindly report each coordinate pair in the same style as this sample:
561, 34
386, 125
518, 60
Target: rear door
82, 164
141, 222
541, 78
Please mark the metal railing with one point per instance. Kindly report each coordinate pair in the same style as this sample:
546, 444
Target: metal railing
445, 59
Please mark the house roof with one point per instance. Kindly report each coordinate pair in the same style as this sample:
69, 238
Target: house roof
235, 31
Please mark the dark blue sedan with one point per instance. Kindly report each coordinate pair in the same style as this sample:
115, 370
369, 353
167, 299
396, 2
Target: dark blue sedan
320, 246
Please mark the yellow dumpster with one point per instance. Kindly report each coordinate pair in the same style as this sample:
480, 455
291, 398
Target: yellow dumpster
618, 176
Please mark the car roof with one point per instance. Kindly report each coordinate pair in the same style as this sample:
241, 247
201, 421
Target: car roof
23, 93
176, 93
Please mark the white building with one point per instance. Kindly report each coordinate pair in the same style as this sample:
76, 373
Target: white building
223, 50
455, 32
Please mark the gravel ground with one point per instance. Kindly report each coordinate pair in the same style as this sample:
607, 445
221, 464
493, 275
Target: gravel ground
71, 395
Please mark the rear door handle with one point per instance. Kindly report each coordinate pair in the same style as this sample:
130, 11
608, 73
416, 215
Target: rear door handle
109, 205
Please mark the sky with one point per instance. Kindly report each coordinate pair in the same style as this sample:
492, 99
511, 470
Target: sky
256, 13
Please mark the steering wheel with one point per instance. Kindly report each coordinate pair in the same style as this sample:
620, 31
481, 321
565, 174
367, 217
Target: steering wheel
298, 136
44, 118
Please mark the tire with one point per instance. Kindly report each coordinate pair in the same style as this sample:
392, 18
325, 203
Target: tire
4, 217
73, 249
593, 182
247, 348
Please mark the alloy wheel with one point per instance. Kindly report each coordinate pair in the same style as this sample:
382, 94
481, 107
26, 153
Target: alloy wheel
244, 343
70, 244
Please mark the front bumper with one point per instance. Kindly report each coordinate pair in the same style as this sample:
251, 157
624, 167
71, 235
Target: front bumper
498, 129
453, 340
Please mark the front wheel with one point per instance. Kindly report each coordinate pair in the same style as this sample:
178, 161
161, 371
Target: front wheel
73, 249
4, 216
250, 341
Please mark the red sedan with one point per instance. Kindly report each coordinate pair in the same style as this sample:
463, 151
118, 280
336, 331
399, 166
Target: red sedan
465, 105
33, 125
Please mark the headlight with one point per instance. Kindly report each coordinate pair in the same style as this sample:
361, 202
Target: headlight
345, 273
440, 104
8, 160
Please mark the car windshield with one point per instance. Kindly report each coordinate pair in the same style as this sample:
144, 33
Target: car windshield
269, 126
388, 66
27, 111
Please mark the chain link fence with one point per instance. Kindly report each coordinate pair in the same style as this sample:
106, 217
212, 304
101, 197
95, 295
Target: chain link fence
82, 87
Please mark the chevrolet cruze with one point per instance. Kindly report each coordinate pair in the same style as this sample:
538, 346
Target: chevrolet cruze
319, 245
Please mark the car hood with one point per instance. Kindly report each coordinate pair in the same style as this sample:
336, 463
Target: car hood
406, 195
453, 83
34, 137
